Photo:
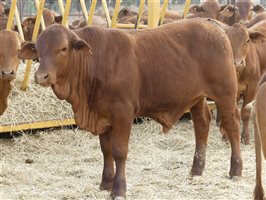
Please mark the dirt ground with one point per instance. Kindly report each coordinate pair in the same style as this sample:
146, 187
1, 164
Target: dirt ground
66, 164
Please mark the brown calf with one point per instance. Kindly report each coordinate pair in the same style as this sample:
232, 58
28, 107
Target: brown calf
260, 135
10, 45
247, 63
120, 75
49, 17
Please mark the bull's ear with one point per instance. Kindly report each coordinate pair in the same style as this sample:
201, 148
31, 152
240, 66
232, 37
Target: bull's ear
81, 45
28, 51
257, 37
6, 11
228, 11
58, 19
32, 20
126, 12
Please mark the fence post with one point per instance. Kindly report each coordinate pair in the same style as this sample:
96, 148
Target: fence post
91, 12
40, 7
186, 8
11, 15
153, 13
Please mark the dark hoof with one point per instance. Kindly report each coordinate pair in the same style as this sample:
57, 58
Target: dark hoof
245, 141
196, 172
138, 121
106, 186
225, 138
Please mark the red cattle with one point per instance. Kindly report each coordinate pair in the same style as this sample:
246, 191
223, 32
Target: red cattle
209, 9
247, 62
260, 134
49, 17
120, 75
127, 16
258, 18
97, 20
258, 9
10, 44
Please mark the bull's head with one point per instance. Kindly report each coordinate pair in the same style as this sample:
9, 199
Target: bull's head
9, 61
53, 48
243, 10
241, 39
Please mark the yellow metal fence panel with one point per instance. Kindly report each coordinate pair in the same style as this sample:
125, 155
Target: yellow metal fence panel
164, 7
40, 7
11, 15
153, 13
66, 13
187, 5
19, 24
91, 12
115, 14
106, 11
84, 9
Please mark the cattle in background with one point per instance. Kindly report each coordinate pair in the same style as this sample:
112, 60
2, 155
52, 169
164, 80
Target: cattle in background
2, 10
261, 47
49, 16
128, 16
240, 12
260, 134
97, 21
258, 9
10, 45
247, 62
258, 18
153, 75
3, 16
209, 9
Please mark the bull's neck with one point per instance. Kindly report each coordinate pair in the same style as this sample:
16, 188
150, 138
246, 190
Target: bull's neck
75, 84
5, 88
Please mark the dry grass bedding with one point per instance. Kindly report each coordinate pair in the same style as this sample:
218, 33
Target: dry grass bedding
67, 163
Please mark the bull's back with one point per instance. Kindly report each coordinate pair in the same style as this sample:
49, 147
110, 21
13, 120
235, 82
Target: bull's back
183, 57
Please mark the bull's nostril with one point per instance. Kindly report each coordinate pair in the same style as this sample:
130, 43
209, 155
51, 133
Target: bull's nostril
242, 62
12, 73
3, 73
46, 76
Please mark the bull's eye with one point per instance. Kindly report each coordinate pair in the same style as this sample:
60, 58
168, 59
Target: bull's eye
248, 41
64, 49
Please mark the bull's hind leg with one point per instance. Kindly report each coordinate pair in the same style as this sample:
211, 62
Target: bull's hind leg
230, 118
201, 117
108, 169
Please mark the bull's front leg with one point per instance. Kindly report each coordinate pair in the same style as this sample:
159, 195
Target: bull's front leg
201, 117
121, 128
108, 169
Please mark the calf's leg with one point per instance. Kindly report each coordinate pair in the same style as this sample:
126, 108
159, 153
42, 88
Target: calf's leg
201, 117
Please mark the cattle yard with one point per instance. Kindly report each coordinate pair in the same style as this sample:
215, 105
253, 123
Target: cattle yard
65, 163
51, 159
